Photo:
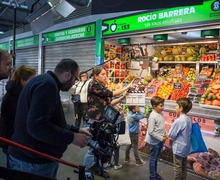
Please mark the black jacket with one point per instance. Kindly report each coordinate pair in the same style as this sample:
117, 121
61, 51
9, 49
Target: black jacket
40, 121
8, 110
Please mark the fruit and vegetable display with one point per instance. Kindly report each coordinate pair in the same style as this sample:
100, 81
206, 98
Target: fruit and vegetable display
180, 92
152, 87
165, 90
212, 94
195, 52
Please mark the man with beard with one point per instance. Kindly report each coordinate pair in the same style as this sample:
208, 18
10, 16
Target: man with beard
5, 64
40, 122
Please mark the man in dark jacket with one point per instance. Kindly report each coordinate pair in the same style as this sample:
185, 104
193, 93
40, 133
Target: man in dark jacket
40, 122
5, 64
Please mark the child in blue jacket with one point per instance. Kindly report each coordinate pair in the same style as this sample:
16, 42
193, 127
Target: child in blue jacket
134, 115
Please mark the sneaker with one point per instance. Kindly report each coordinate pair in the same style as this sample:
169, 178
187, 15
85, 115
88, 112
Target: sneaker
127, 160
118, 167
140, 163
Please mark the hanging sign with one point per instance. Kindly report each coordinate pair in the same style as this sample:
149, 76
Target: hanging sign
25, 42
4, 46
209, 11
75, 33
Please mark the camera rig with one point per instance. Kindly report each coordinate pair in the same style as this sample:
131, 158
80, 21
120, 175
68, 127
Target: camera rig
105, 134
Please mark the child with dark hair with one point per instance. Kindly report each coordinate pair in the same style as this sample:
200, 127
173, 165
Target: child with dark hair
156, 135
180, 134
134, 115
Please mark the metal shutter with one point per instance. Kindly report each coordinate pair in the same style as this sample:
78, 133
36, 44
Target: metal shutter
82, 52
27, 56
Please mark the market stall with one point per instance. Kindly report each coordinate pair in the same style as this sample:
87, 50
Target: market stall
155, 63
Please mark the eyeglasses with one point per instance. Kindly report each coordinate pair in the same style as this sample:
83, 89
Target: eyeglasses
77, 79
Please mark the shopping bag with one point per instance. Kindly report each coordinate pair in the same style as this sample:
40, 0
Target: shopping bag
198, 144
124, 139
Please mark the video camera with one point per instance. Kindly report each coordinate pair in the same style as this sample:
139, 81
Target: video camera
106, 133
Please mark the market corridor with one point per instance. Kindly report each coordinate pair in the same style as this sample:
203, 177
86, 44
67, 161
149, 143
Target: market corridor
129, 171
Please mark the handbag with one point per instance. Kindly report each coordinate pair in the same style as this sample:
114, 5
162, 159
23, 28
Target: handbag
76, 97
197, 142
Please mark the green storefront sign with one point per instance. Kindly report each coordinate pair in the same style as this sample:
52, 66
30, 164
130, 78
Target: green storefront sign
4, 46
26, 42
163, 18
75, 33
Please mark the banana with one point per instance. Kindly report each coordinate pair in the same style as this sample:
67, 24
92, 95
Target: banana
156, 52
175, 50
163, 52
179, 49
202, 50
190, 50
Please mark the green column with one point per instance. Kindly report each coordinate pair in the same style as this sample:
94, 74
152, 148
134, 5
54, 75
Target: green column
99, 55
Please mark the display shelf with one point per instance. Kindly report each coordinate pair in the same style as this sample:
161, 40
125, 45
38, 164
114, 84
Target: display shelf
187, 62
196, 110
207, 62
176, 62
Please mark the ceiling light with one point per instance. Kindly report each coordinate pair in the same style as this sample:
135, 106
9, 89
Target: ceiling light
160, 37
124, 41
2, 32
211, 33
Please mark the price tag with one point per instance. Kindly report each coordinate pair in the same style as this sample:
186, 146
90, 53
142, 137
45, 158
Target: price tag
150, 90
202, 77
177, 86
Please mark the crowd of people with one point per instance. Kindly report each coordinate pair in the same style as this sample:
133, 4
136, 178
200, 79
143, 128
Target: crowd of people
32, 115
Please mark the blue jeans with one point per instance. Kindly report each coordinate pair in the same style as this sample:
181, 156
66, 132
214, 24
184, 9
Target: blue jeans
154, 153
89, 159
47, 170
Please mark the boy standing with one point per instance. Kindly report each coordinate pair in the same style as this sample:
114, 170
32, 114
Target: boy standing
156, 135
180, 133
134, 115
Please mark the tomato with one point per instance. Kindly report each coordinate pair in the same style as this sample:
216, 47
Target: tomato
122, 66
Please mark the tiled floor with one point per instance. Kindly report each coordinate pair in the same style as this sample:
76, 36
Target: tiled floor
129, 171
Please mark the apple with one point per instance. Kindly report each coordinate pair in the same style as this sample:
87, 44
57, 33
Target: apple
113, 26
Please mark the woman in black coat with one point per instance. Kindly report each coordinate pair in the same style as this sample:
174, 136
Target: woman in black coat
20, 77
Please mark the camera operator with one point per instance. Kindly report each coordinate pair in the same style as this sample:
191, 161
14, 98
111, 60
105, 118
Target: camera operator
98, 98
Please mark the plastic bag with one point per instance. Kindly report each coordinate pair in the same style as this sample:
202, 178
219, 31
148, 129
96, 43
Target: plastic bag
198, 144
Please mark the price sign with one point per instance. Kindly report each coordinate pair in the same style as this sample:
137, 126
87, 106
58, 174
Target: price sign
177, 86
202, 77
205, 124
150, 90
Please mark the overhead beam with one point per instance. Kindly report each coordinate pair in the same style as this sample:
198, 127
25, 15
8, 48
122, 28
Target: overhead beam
8, 23
11, 8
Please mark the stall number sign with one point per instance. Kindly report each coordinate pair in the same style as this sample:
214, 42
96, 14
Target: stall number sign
177, 86
205, 124
150, 90
202, 77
